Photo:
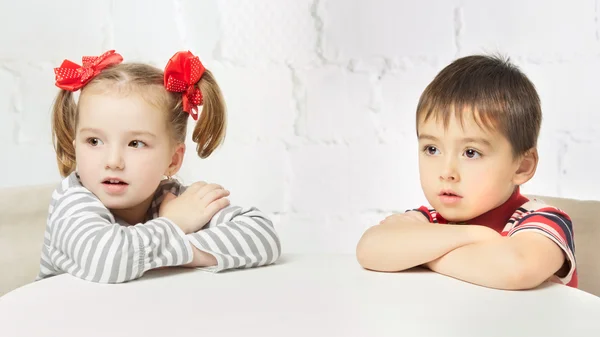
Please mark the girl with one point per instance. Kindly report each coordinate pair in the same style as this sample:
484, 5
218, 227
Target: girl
114, 217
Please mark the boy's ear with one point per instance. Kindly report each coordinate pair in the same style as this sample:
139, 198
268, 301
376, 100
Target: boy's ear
176, 160
527, 165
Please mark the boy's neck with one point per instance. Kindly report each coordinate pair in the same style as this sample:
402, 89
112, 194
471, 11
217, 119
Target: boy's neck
499, 216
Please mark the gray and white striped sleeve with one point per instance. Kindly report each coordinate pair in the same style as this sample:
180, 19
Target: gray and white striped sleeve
83, 239
238, 238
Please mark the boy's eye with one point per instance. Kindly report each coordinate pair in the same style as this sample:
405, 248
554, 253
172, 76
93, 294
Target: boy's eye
432, 150
94, 141
473, 154
137, 143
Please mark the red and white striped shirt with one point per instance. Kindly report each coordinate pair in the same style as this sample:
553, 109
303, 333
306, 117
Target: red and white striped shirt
519, 214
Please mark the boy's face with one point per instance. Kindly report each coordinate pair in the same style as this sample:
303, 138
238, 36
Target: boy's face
465, 170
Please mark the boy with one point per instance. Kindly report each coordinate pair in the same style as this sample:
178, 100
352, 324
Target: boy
477, 126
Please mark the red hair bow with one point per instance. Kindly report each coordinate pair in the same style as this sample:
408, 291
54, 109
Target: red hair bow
72, 77
182, 73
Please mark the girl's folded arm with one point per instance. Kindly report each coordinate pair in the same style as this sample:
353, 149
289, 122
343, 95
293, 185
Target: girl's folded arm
83, 239
238, 237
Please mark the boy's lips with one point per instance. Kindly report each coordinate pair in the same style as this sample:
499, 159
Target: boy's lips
449, 192
449, 197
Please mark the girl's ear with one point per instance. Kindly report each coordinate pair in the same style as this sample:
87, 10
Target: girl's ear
176, 160
527, 165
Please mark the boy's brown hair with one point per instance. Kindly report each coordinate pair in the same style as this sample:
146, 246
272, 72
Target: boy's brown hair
496, 92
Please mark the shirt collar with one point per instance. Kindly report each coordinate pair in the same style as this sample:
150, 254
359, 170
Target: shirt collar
498, 217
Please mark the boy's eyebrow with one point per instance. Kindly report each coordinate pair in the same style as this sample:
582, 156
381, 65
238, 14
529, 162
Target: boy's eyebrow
430, 137
463, 140
477, 140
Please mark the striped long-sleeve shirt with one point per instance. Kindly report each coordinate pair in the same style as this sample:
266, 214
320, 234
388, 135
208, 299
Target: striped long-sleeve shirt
83, 238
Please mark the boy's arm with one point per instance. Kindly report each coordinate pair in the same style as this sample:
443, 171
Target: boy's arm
403, 241
519, 262
540, 246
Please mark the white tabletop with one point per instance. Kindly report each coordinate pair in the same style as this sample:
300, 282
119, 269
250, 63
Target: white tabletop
318, 295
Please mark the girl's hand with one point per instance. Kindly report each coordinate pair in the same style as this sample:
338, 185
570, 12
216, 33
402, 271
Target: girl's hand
201, 259
194, 208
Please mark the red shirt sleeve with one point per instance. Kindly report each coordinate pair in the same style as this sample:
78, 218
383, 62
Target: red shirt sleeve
423, 210
557, 226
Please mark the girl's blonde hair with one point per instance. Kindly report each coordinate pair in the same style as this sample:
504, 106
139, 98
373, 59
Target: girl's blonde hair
147, 81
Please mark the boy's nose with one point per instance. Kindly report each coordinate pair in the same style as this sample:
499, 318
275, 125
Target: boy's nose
450, 172
449, 177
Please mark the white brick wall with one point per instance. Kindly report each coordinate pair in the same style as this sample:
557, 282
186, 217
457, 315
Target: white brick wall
321, 93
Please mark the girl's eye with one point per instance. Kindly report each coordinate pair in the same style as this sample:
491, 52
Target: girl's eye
432, 150
94, 141
137, 144
473, 154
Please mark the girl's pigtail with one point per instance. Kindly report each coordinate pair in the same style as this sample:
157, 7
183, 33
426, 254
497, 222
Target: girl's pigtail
209, 131
63, 131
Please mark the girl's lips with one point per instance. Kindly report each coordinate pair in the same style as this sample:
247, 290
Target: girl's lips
113, 180
115, 188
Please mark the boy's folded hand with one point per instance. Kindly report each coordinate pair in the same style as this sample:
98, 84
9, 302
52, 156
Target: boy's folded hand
403, 217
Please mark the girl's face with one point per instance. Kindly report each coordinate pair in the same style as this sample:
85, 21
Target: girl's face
123, 150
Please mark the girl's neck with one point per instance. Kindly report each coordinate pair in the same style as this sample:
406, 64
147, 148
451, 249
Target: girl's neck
134, 215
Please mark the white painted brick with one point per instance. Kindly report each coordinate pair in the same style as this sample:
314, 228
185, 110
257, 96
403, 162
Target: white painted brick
579, 178
52, 30
7, 111
385, 177
255, 174
310, 234
138, 27
36, 95
191, 25
259, 102
401, 91
321, 182
546, 178
28, 165
268, 30
337, 105
338, 179
569, 94
390, 29
201, 27
540, 29
300, 233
